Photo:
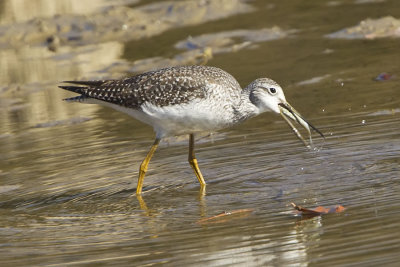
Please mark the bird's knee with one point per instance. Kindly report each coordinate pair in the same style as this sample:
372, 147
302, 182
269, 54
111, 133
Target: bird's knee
192, 161
143, 167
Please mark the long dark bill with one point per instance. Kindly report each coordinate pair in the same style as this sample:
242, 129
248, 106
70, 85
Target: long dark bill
288, 112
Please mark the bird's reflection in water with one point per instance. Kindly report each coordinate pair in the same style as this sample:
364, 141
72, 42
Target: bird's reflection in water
200, 197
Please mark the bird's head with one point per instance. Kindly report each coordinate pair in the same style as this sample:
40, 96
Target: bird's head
267, 95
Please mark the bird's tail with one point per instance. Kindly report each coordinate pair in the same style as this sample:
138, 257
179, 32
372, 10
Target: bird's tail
75, 89
79, 89
79, 98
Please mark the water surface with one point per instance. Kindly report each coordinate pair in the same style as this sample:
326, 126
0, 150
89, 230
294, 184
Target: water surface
68, 172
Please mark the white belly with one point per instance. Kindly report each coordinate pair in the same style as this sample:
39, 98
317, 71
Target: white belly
196, 116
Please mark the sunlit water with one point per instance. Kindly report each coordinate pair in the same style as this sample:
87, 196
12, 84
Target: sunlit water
68, 172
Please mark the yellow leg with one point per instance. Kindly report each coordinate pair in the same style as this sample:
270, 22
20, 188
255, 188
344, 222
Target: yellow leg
193, 162
143, 166
142, 204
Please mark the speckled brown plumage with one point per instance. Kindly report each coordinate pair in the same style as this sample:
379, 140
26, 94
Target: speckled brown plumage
164, 87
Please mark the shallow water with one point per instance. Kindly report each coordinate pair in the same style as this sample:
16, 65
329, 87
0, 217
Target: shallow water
68, 171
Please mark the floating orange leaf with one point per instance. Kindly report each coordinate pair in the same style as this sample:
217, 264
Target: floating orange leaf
226, 216
318, 210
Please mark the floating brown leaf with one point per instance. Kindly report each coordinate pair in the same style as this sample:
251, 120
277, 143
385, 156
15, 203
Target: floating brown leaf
226, 216
318, 210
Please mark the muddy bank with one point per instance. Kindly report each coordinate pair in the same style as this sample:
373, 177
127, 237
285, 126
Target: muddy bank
200, 49
117, 23
370, 29
232, 41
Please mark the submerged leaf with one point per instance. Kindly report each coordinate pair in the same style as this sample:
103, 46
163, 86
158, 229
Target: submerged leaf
226, 216
318, 210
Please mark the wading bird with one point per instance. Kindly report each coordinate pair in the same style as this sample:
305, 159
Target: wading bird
188, 100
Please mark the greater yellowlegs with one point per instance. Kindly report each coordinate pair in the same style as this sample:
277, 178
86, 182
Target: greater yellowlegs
187, 100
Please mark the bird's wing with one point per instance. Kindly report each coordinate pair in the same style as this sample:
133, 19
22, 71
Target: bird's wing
161, 88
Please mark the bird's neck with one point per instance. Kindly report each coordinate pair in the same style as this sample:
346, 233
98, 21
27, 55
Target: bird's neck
246, 109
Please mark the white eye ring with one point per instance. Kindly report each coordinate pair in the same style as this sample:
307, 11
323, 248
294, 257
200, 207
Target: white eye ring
272, 90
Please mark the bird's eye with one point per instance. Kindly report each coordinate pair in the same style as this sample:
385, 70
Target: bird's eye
272, 90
